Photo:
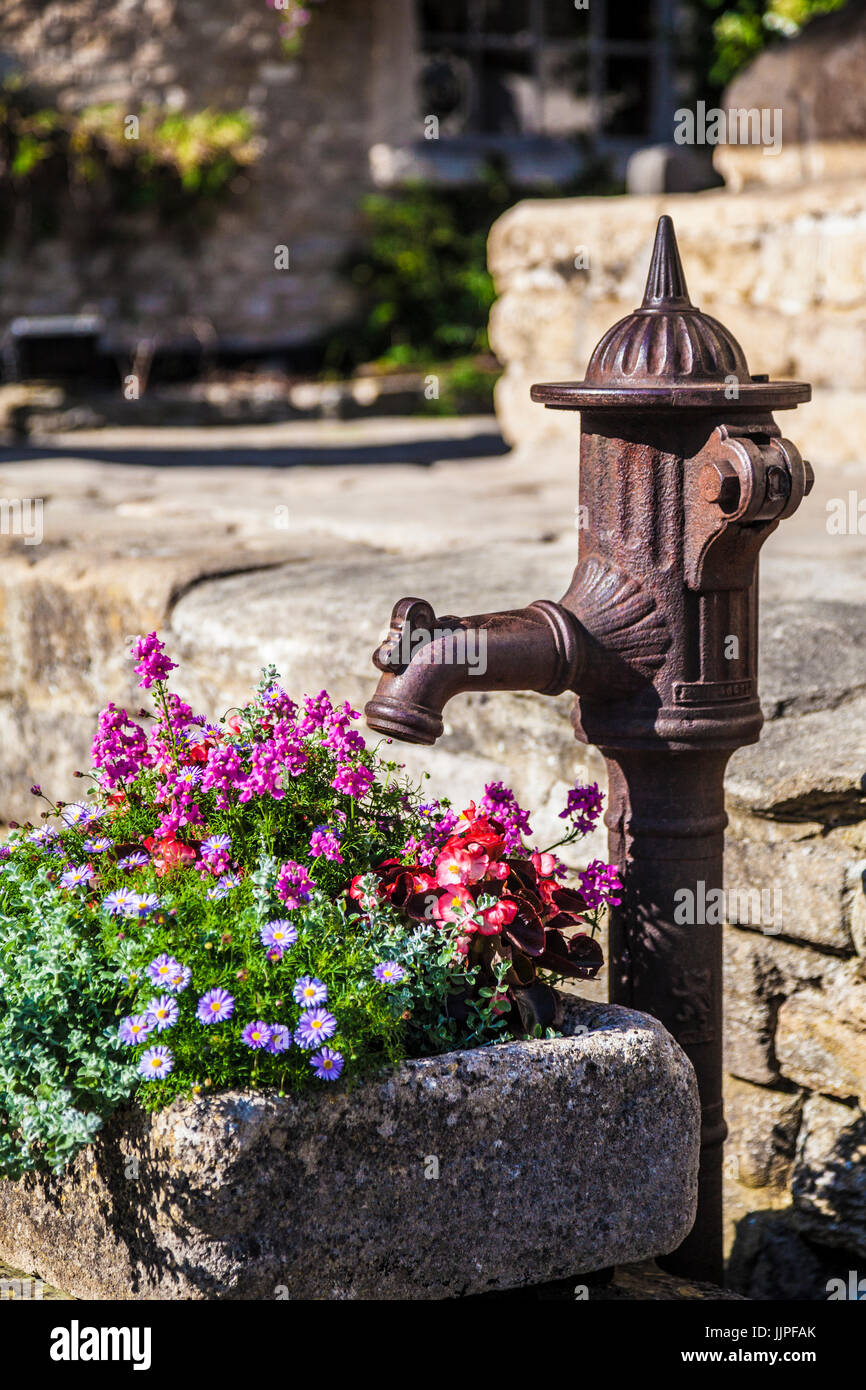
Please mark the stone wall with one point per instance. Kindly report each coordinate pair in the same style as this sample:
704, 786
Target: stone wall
784, 269
315, 120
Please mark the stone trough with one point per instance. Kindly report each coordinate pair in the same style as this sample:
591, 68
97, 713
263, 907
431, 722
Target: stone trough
453, 1175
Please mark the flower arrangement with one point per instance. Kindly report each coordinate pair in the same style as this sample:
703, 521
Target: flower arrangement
264, 902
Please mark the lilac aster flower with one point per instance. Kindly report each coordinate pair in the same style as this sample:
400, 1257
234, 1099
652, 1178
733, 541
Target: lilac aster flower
216, 844
315, 1026
115, 904
135, 1029
327, 1064
309, 992
43, 836
280, 1039
97, 846
79, 815
76, 876
178, 980
156, 1063
389, 972
278, 935
141, 904
163, 968
138, 860
223, 886
216, 1006
163, 1011
256, 1034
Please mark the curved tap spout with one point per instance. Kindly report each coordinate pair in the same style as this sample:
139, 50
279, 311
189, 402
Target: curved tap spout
425, 660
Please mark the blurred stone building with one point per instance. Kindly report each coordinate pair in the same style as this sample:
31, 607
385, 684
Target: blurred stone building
381, 90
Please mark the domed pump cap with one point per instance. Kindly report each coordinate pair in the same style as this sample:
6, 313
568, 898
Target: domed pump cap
668, 353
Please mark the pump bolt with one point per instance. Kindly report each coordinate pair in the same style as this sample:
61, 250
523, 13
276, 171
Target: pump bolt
719, 483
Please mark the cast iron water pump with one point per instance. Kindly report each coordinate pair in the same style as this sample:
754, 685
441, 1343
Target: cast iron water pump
683, 475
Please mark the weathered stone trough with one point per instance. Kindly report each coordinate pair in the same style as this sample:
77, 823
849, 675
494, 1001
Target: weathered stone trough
488, 1169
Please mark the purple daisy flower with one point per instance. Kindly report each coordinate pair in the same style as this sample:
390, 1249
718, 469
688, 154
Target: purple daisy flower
223, 886
216, 844
216, 1006
280, 1039
135, 1029
155, 1063
138, 860
163, 968
115, 903
97, 846
256, 1034
309, 992
327, 1064
389, 972
141, 904
76, 813
315, 1026
163, 1011
76, 876
278, 935
178, 980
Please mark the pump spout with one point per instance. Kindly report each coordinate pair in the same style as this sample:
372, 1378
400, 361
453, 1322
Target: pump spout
425, 660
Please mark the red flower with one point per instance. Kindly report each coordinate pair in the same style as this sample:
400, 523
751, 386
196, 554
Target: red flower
168, 854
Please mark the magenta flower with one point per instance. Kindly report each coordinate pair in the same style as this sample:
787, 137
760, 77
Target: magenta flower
308, 992
327, 1064
256, 1035
583, 807
353, 781
293, 884
600, 883
315, 1026
156, 1063
153, 665
217, 1006
325, 842
119, 747
500, 803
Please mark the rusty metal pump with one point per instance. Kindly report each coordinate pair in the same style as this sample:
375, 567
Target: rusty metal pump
683, 476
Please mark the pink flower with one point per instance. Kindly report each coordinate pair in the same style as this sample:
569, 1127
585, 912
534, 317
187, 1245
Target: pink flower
153, 664
495, 918
453, 866
294, 884
457, 905
544, 864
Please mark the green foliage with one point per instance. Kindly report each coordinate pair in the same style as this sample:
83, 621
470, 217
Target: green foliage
180, 165
740, 31
62, 1070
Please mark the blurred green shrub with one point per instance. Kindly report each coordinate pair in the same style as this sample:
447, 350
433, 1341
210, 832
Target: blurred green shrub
740, 31
81, 169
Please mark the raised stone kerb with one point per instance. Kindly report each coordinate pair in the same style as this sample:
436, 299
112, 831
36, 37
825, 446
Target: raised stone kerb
504, 1166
